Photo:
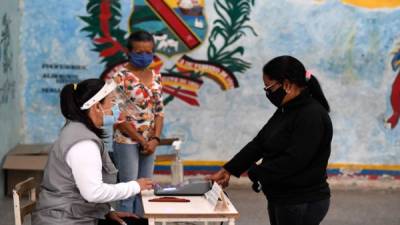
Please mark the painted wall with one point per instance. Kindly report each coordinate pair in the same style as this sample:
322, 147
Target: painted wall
10, 79
350, 46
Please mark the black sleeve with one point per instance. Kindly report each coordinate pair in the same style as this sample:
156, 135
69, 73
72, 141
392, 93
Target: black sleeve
249, 154
304, 143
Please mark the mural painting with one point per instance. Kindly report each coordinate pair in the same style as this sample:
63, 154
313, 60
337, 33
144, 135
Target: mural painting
178, 27
7, 85
393, 120
211, 54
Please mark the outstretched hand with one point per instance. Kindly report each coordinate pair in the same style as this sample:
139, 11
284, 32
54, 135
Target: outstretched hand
221, 177
145, 184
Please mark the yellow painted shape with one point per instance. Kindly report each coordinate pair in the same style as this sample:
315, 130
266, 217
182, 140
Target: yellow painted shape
184, 86
363, 166
195, 163
397, 62
373, 4
174, 3
353, 166
211, 74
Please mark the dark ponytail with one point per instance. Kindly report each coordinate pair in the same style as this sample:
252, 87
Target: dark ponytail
289, 68
73, 96
317, 93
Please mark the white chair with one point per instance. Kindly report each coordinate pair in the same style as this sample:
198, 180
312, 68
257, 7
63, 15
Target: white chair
26, 186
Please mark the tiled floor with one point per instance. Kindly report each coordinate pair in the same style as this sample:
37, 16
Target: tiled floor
347, 208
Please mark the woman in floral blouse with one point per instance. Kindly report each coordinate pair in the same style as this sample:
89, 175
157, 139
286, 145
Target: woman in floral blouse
139, 96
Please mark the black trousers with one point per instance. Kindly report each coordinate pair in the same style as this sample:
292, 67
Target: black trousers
310, 213
128, 221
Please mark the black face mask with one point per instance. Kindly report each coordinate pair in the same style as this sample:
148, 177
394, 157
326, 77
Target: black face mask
277, 96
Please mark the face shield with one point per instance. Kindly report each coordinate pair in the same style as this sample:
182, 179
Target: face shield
108, 88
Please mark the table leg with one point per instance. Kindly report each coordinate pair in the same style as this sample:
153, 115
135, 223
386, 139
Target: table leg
152, 221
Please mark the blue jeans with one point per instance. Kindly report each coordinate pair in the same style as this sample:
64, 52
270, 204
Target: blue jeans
131, 166
310, 213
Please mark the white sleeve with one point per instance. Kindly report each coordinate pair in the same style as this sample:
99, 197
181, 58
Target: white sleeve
84, 159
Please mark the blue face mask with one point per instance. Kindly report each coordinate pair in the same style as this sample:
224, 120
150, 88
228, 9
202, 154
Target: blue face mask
140, 60
110, 120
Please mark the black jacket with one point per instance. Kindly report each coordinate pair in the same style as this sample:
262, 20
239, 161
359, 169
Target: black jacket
294, 146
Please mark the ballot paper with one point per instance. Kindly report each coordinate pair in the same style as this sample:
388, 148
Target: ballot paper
216, 194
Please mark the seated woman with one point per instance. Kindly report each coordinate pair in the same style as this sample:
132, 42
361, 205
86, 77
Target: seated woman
79, 178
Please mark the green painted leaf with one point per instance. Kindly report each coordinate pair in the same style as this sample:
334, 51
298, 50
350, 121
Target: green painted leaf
230, 27
91, 4
168, 99
211, 50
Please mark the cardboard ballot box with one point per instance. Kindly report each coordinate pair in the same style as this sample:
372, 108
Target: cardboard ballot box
25, 161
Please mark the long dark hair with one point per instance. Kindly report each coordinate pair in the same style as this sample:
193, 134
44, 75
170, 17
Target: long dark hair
73, 96
291, 69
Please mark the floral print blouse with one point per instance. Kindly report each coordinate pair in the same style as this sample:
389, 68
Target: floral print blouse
141, 103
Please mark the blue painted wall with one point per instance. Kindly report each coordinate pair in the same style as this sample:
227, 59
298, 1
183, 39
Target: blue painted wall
348, 48
10, 79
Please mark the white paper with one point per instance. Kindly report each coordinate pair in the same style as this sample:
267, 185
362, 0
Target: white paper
214, 194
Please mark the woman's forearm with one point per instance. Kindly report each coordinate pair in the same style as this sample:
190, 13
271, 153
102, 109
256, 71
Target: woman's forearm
128, 129
158, 125
85, 162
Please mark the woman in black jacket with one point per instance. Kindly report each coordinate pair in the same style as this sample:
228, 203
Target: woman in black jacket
294, 146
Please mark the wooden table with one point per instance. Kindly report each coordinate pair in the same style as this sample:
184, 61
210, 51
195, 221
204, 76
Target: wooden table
197, 210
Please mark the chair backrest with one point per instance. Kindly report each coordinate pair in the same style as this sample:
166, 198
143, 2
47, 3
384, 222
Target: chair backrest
20, 211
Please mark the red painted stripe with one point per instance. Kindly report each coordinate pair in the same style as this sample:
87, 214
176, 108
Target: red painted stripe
186, 173
186, 92
369, 177
208, 172
174, 23
190, 100
395, 101
104, 18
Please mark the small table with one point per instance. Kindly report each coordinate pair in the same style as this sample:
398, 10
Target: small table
197, 210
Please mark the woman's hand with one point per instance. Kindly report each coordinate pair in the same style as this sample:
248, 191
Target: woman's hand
221, 177
141, 140
145, 183
151, 147
117, 216
144, 145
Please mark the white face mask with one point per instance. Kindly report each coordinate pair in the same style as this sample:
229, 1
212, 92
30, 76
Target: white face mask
110, 120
